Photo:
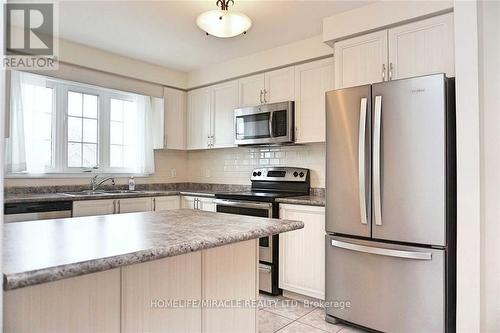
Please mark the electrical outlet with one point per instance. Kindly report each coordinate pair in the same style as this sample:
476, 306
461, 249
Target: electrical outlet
173, 173
207, 173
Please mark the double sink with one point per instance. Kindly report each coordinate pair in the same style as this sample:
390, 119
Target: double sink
100, 192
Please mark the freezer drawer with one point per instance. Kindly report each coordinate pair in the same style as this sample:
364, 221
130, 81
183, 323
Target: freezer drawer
391, 288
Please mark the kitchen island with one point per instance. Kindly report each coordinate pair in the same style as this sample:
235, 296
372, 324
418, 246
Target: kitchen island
171, 271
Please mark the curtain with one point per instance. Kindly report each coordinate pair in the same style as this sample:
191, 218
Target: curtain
144, 124
16, 145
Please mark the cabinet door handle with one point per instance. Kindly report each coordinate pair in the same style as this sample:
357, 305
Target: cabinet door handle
265, 94
390, 71
114, 206
119, 206
383, 72
261, 96
154, 204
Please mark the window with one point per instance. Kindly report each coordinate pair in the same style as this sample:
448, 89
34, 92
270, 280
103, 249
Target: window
65, 127
38, 116
122, 114
82, 130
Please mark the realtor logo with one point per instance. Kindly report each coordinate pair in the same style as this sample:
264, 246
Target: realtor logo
29, 36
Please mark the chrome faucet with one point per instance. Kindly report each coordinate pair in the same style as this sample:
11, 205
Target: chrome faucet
95, 183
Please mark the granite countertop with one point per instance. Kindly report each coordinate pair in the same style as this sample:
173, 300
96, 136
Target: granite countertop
43, 251
310, 200
39, 197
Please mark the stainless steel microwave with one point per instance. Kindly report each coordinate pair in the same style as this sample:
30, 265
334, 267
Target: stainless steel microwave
268, 124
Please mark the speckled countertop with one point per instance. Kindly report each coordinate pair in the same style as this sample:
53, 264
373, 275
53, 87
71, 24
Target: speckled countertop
56, 193
310, 200
43, 251
39, 197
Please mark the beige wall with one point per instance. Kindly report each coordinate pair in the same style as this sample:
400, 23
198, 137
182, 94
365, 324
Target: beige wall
228, 166
489, 78
378, 15
222, 166
78, 54
165, 161
234, 165
283, 55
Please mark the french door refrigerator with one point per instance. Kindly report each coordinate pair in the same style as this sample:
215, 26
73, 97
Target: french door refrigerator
391, 205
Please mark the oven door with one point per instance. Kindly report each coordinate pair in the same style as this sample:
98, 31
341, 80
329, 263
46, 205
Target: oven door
266, 124
249, 208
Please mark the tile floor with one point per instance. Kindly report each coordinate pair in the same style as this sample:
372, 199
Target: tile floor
283, 315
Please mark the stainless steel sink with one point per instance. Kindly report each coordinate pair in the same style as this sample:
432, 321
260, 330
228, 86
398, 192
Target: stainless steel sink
121, 192
85, 193
99, 192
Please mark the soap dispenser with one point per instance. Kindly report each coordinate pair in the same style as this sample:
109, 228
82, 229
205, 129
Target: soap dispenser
131, 184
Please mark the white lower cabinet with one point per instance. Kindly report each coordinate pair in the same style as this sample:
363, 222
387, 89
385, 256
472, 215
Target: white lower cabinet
135, 298
94, 207
201, 203
166, 203
302, 252
133, 205
111, 206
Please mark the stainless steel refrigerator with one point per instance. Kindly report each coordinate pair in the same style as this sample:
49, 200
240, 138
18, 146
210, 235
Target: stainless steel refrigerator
391, 205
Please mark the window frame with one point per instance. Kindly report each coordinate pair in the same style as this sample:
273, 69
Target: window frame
59, 161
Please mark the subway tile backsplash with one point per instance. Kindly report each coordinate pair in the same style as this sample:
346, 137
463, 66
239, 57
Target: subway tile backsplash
233, 165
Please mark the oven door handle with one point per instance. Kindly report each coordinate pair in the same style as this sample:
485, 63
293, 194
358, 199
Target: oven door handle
243, 204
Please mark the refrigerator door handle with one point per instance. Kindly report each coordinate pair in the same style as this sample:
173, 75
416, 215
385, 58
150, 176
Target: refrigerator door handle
361, 160
376, 160
381, 251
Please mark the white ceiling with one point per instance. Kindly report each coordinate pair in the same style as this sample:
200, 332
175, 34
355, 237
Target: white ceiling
165, 32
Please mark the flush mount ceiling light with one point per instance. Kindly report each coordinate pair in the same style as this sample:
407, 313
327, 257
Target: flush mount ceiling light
223, 23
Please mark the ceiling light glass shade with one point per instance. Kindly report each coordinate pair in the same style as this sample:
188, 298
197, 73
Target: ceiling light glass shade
223, 23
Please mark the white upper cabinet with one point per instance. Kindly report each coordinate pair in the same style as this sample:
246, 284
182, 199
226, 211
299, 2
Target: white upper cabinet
423, 47
158, 121
251, 90
175, 118
271, 87
361, 60
199, 119
312, 81
419, 48
279, 85
224, 101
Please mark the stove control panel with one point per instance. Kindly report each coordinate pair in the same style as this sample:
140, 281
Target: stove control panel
283, 174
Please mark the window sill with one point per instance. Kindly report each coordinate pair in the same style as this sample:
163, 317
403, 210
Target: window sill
73, 175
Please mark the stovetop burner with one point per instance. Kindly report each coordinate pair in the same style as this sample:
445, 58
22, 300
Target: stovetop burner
271, 183
257, 195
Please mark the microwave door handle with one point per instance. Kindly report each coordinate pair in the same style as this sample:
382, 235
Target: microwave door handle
271, 134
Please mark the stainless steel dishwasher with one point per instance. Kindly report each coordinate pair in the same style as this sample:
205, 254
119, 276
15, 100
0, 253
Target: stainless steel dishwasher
32, 211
